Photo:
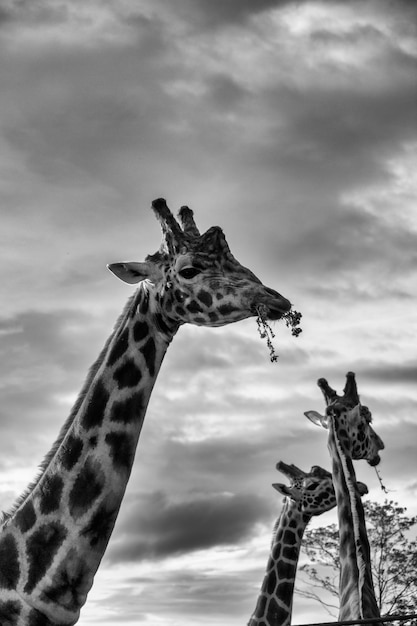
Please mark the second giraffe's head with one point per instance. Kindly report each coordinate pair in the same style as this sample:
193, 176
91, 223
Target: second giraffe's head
351, 420
312, 491
196, 277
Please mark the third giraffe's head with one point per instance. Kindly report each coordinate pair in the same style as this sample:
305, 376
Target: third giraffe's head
197, 279
351, 420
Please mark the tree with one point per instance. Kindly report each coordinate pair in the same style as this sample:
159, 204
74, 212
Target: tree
393, 555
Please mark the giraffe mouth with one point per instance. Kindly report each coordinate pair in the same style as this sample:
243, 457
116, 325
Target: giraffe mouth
278, 306
273, 309
274, 314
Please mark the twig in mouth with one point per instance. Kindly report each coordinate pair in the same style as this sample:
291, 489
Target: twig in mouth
265, 331
292, 320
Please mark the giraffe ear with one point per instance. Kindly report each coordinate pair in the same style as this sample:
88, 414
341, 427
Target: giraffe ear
362, 488
317, 418
134, 272
283, 489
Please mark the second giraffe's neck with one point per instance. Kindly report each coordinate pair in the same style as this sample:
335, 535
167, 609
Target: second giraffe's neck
60, 529
274, 605
356, 593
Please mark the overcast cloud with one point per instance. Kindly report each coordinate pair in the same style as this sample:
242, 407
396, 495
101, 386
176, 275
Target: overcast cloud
292, 125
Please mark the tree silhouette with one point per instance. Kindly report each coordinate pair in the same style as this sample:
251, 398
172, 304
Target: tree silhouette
393, 555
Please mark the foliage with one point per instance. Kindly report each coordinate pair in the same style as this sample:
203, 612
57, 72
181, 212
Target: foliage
393, 556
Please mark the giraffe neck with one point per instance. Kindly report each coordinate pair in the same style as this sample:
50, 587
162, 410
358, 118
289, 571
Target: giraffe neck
356, 589
274, 604
56, 536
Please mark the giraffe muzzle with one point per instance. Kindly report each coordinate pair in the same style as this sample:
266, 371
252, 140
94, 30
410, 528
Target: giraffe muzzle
275, 304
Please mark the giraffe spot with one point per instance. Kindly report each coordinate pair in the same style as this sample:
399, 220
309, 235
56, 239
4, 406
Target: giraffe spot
51, 490
140, 331
272, 581
219, 296
180, 311
72, 581
37, 619
277, 613
361, 435
9, 560
127, 375
205, 297
199, 319
72, 448
179, 295
9, 613
25, 517
162, 325
289, 537
276, 550
227, 309
261, 605
194, 307
149, 352
41, 548
213, 316
92, 441
128, 410
101, 525
87, 487
122, 450
290, 552
95, 410
343, 433
283, 569
119, 348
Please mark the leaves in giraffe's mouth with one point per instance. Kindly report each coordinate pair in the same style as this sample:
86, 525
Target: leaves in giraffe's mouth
292, 320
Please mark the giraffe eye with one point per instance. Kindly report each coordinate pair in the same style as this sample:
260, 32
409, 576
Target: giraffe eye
189, 272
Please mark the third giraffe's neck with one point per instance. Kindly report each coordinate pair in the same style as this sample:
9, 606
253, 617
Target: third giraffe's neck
274, 605
356, 590
62, 525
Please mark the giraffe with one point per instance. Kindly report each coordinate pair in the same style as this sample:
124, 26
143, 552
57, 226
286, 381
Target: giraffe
53, 539
351, 436
309, 494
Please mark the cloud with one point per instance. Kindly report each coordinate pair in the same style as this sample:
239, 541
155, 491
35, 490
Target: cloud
221, 13
343, 244
43, 359
289, 124
403, 373
159, 527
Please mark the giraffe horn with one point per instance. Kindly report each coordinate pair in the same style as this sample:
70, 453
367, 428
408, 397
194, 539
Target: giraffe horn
172, 232
329, 394
187, 220
290, 471
350, 392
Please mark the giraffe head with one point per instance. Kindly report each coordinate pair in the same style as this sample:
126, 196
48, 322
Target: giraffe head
196, 277
351, 419
312, 491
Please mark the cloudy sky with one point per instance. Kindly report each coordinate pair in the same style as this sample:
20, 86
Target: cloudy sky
292, 125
